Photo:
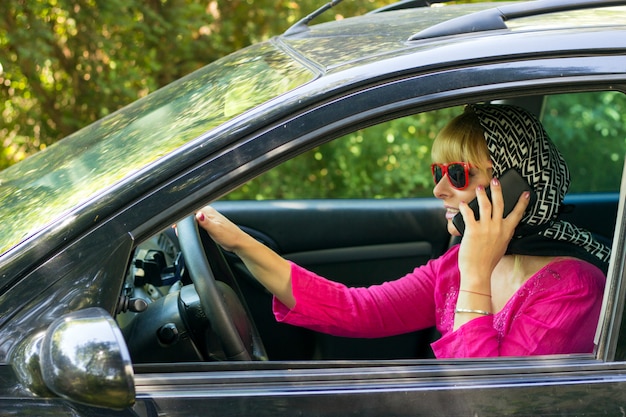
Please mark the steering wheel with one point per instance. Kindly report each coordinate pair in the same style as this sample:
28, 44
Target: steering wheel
211, 298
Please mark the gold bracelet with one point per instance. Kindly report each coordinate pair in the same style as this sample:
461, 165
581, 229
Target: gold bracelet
467, 310
477, 293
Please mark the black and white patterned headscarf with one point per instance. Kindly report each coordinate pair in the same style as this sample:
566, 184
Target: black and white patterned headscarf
516, 139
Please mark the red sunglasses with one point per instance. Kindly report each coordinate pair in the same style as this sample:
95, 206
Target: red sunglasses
458, 173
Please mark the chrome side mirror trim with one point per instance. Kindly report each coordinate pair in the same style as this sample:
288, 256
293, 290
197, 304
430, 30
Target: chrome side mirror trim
82, 357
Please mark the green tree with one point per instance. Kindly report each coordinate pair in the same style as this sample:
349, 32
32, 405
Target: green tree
391, 160
388, 160
67, 63
594, 121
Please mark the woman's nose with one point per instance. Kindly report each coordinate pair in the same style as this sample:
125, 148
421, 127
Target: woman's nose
442, 188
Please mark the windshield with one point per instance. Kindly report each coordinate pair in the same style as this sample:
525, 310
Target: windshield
40, 189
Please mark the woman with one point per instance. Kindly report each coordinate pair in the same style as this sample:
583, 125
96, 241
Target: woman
526, 284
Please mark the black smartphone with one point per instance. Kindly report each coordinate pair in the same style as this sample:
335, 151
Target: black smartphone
513, 185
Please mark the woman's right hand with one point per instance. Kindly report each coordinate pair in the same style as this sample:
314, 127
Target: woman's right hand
224, 232
269, 268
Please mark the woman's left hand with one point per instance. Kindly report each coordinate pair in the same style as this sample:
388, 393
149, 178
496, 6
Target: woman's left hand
485, 240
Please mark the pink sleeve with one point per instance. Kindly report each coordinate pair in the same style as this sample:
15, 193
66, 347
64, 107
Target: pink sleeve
395, 307
560, 317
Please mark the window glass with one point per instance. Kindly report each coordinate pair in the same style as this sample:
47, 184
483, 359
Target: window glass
40, 189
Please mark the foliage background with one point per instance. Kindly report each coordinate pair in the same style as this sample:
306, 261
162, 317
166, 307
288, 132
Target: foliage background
67, 63
392, 159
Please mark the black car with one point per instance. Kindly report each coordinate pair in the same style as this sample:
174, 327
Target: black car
106, 311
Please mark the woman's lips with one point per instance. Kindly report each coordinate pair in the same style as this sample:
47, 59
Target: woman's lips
451, 212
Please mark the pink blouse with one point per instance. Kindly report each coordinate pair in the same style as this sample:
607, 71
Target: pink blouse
555, 311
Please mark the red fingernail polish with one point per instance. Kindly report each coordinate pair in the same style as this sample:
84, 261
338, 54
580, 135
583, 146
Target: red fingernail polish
201, 217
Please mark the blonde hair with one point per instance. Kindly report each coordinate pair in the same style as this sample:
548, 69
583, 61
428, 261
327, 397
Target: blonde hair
462, 139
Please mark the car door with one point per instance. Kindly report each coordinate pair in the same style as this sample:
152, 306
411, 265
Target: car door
319, 233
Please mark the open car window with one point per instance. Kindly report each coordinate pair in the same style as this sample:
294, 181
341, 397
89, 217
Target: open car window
590, 131
355, 210
392, 159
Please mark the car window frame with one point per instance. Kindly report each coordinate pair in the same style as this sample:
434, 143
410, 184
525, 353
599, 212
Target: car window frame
331, 128
610, 345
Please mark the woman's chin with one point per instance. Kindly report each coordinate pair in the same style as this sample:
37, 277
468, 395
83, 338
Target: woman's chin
452, 229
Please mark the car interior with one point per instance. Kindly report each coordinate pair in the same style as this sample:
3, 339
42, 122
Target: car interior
361, 236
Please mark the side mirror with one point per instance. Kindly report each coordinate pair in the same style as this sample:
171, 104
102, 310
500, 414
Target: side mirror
82, 357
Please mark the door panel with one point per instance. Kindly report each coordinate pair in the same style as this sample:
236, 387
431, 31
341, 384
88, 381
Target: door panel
595, 212
359, 242
541, 387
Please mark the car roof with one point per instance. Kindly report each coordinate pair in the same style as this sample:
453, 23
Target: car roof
319, 57
339, 44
